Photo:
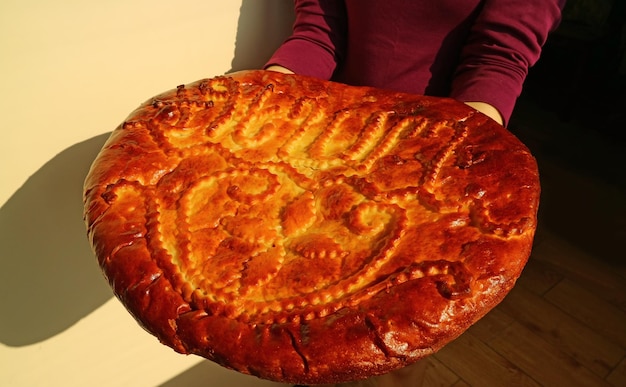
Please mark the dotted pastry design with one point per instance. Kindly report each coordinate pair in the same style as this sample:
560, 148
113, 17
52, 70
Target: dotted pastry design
266, 206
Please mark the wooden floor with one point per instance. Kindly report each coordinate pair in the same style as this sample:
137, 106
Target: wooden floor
564, 324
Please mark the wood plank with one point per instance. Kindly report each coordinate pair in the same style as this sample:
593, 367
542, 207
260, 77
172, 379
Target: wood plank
478, 365
561, 330
542, 361
596, 276
538, 276
438, 375
596, 313
617, 377
491, 324
583, 203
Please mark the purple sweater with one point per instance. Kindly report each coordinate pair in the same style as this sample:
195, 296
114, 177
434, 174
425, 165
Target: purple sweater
471, 50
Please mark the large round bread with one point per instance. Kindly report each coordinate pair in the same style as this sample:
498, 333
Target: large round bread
307, 231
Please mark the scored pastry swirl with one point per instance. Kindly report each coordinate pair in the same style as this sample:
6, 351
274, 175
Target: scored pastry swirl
271, 200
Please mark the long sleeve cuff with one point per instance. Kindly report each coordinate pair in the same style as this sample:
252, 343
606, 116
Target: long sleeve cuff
318, 62
498, 91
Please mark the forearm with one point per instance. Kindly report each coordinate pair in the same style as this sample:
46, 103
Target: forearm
279, 69
487, 109
505, 41
317, 42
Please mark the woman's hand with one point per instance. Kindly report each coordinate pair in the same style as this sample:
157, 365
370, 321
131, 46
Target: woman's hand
279, 69
487, 110
482, 107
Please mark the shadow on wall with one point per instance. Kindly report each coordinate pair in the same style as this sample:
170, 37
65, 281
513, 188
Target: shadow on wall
49, 277
207, 373
263, 25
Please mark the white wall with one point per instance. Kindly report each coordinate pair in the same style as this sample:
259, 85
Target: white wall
70, 72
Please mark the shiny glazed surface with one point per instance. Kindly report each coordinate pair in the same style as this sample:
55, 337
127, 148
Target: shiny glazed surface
307, 231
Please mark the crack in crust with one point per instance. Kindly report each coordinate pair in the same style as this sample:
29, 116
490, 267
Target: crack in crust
259, 200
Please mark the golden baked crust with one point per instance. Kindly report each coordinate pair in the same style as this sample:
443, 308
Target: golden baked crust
307, 231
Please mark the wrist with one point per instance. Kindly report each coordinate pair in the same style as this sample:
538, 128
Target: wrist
279, 69
487, 109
